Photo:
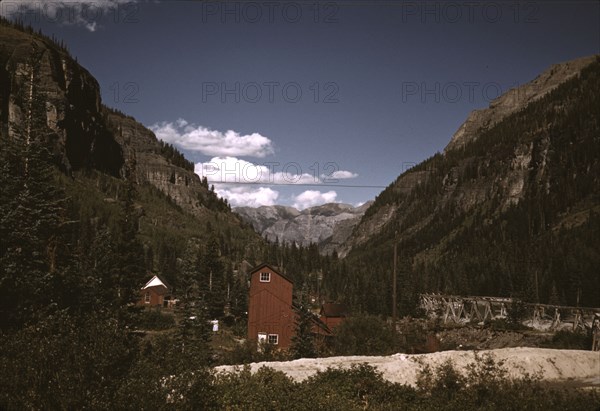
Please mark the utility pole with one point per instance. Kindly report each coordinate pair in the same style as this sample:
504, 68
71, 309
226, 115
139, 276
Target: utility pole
394, 304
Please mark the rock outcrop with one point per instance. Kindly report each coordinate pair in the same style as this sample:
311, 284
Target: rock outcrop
327, 225
76, 132
515, 100
503, 182
79, 130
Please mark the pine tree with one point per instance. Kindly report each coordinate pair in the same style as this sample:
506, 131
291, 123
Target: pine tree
303, 344
194, 330
129, 270
33, 251
211, 279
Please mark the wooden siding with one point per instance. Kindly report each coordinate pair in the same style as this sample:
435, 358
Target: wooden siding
270, 307
155, 298
332, 322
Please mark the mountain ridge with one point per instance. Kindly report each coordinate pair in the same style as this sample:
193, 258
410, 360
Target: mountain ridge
327, 225
467, 133
514, 211
516, 99
99, 149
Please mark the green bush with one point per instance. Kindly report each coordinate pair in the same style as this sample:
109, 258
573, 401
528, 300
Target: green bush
248, 352
485, 386
64, 362
167, 375
569, 340
516, 312
356, 388
264, 390
155, 320
364, 335
240, 328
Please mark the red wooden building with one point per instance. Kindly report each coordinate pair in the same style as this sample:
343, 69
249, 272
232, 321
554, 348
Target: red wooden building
333, 314
155, 293
271, 317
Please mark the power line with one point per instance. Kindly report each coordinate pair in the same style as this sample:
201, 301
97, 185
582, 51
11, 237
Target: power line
297, 184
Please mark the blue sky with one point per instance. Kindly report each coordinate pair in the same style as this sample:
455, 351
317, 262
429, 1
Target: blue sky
311, 103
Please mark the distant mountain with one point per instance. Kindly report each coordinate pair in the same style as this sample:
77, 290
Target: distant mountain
512, 206
327, 225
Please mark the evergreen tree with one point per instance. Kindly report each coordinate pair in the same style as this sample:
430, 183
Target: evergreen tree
33, 253
211, 279
129, 270
194, 331
303, 344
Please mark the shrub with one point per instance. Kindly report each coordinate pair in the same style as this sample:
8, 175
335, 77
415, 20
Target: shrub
569, 340
363, 335
248, 352
356, 388
63, 362
442, 383
485, 386
155, 320
265, 389
166, 376
516, 313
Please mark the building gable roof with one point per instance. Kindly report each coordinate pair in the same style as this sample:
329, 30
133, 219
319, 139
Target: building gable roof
270, 267
334, 310
154, 282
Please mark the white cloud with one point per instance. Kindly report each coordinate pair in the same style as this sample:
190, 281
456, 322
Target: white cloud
339, 175
243, 182
248, 196
90, 14
212, 142
311, 198
235, 170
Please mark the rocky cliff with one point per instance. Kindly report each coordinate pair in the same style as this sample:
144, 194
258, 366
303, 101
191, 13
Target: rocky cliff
80, 131
515, 100
512, 206
525, 164
180, 184
328, 225
75, 129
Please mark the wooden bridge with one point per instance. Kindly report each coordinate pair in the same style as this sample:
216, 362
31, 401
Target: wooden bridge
460, 309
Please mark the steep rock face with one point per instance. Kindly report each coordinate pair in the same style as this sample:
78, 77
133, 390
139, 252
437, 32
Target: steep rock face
378, 217
514, 211
525, 165
264, 217
328, 225
140, 146
76, 133
514, 100
80, 131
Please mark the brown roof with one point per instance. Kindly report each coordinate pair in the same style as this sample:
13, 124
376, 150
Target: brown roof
263, 265
333, 310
